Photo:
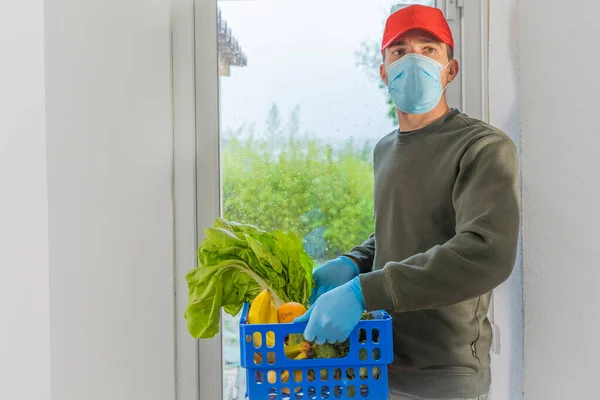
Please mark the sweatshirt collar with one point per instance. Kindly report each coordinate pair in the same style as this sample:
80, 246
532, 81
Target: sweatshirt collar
433, 127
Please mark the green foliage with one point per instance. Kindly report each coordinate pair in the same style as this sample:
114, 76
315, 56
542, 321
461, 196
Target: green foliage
235, 263
278, 179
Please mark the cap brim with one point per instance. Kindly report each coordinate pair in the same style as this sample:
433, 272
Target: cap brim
412, 28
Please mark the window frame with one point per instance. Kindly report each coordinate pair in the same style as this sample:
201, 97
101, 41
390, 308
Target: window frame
196, 157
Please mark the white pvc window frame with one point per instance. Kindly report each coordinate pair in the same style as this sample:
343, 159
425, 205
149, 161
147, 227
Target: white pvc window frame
196, 165
196, 176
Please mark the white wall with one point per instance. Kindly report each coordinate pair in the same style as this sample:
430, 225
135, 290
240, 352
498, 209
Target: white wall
86, 208
507, 367
559, 91
24, 292
109, 183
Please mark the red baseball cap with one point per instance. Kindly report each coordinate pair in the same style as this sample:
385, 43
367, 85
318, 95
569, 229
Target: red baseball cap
428, 19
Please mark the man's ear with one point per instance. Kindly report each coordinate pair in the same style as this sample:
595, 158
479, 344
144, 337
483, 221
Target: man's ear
383, 74
452, 70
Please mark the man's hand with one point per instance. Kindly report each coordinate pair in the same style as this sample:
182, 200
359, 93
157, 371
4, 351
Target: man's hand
335, 314
332, 274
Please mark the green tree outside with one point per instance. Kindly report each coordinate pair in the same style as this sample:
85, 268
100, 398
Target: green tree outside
282, 179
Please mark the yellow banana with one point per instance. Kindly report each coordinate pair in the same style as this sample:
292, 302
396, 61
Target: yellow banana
285, 377
270, 339
257, 339
258, 313
301, 356
297, 349
259, 309
263, 311
272, 376
272, 319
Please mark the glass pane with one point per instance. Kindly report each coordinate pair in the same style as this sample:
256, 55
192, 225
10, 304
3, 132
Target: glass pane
301, 107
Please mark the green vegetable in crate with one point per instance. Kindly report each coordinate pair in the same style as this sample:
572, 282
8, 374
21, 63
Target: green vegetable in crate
236, 262
324, 374
351, 392
376, 373
295, 350
363, 373
367, 316
295, 347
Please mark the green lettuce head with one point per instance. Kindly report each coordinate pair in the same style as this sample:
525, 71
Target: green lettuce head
235, 263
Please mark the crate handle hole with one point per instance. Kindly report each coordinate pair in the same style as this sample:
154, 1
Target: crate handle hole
364, 390
337, 374
295, 346
375, 335
258, 358
350, 374
362, 354
272, 376
338, 391
362, 336
311, 376
257, 339
376, 373
312, 393
324, 392
351, 391
376, 354
324, 375
363, 373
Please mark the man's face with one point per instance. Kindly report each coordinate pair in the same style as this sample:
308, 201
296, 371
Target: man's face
424, 43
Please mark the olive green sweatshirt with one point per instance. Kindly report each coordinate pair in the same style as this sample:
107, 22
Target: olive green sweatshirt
446, 226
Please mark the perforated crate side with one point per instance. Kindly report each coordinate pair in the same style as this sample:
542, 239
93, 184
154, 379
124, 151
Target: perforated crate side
264, 380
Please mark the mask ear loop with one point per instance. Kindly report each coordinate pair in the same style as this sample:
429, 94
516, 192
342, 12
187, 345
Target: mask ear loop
445, 87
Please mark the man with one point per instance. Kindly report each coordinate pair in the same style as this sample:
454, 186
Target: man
446, 226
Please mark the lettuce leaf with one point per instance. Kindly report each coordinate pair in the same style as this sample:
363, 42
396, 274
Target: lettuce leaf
235, 263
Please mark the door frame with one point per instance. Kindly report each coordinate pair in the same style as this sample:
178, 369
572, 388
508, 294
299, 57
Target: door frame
196, 178
196, 158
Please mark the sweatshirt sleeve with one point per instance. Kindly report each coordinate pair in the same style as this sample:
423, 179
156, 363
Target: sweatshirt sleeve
482, 253
364, 254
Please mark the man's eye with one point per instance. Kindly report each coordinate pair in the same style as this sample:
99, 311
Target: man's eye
429, 50
399, 52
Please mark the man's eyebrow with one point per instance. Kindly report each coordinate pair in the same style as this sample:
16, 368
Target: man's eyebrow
427, 40
423, 40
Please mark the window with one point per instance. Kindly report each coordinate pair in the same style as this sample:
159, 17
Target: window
288, 143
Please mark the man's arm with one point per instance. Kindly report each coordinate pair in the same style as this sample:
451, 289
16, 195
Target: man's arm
482, 253
364, 254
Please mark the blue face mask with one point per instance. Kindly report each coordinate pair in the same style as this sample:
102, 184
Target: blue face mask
414, 83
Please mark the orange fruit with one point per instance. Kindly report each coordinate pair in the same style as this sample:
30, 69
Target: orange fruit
289, 311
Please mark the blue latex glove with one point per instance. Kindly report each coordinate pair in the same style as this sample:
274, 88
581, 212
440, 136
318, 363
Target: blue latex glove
332, 274
335, 314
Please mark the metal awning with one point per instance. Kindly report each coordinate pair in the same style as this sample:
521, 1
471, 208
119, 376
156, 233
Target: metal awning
230, 52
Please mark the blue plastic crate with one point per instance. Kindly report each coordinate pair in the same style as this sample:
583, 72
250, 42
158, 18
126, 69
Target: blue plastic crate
329, 378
